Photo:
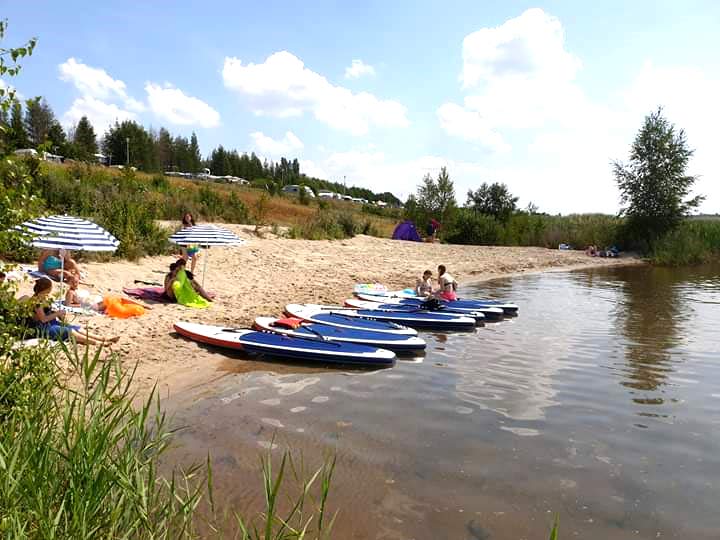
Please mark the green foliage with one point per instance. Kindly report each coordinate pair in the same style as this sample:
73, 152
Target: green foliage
555, 529
654, 184
85, 141
11, 68
492, 200
303, 196
523, 229
326, 226
694, 241
435, 199
18, 203
129, 140
81, 462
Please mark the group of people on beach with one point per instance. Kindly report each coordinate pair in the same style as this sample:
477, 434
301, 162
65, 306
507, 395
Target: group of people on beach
447, 285
58, 265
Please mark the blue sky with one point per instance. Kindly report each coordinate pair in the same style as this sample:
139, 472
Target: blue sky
539, 96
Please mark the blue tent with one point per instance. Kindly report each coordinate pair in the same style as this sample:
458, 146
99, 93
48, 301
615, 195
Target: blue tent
406, 231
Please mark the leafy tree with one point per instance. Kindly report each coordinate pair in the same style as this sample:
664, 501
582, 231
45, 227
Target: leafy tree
84, 140
141, 145
654, 184
437, 197
58, 140
492, 200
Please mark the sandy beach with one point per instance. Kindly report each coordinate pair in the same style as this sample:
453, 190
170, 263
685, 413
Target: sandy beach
267, 273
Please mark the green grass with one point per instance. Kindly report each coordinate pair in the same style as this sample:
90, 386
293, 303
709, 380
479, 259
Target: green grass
695, 241
78, 460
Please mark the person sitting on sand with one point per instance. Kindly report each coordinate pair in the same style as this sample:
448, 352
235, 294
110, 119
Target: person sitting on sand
51, 263
423, 286
170, 279
447, 283
190, 252
50, 324
592, 251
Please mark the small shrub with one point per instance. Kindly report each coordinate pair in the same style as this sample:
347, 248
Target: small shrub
347, 224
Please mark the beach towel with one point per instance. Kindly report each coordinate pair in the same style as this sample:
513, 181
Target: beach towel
150, 294
122, 308
185, 294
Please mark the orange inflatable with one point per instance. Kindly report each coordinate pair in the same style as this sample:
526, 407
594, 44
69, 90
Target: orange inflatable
122, 308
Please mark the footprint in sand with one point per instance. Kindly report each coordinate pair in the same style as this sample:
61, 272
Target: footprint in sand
297, 409
320, 399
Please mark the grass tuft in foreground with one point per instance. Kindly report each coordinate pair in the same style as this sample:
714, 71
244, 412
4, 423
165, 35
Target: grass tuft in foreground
78, 460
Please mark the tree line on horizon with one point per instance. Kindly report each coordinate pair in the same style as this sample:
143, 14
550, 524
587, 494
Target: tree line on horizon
33, 124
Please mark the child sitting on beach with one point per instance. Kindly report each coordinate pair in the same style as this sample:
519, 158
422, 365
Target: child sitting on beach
447, 283
423, 286
50, 324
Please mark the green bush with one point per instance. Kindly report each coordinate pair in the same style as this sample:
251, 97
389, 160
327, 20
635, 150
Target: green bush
325, 226
693, 242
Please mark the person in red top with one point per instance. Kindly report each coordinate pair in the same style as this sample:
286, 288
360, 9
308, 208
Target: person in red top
432, 230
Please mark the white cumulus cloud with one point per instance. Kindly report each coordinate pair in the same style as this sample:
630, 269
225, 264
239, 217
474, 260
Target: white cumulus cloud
289, 146
96, 83
357, 69
469, 125
282, 86
173, 105
101, 114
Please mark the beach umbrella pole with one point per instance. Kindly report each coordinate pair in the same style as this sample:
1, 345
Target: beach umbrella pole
205, 265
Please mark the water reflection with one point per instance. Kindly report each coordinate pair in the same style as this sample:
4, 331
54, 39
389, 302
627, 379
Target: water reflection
650, 317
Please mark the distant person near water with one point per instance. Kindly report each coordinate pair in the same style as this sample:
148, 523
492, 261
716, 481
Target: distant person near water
190, 252
448, 285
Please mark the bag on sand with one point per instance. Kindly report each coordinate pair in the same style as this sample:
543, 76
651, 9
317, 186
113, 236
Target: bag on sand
185, 294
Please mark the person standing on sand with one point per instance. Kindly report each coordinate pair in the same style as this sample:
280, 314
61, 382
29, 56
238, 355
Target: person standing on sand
447, 283
432, 230
190, 252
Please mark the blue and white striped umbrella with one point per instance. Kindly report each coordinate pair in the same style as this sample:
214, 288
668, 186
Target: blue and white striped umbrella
206, 236
66, 232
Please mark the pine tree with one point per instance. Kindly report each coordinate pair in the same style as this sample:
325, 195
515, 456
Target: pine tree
17, 136
84, 140
195, 158
39, 118
58, 141
164, 150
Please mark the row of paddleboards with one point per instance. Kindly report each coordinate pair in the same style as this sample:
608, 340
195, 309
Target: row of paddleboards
368, 331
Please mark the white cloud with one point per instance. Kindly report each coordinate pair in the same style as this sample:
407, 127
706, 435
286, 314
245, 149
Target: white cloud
469, 125
357, 69
101, 114
288, 146
173, 105
96, 83
283, 87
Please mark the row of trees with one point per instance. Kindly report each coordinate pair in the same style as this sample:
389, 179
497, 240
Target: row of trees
34, 125
654, 189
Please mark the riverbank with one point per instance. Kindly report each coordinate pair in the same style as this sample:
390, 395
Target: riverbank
261, 277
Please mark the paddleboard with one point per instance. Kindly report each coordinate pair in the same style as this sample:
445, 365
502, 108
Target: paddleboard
463, 303
281, 346
479, 317
385, 340
344, 318
422, 319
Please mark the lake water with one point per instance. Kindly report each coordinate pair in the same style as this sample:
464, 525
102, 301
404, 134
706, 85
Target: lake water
600, 402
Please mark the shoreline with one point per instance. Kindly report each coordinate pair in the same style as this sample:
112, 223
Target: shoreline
262, 276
